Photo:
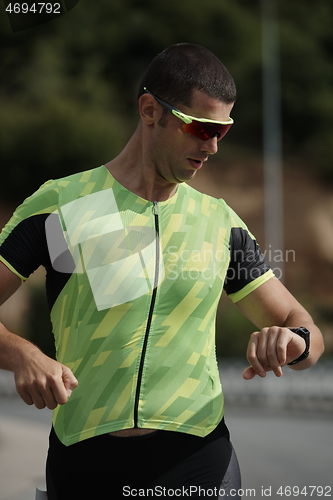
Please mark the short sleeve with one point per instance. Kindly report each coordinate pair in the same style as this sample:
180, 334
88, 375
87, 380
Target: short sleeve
248, 268
23, 246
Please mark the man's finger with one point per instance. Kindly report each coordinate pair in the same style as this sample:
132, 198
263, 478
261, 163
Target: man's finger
48, 398
273, 354
252, 356
69, 379
248, 373
64, 387
38, 399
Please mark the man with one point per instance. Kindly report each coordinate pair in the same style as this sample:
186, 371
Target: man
136, 261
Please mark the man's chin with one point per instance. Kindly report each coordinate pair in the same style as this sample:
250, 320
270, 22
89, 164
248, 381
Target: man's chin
189, 177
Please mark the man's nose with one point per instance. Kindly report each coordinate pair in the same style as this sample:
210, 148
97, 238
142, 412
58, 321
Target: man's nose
210, 146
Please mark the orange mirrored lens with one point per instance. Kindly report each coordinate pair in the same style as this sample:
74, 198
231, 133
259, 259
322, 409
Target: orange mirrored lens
205, 131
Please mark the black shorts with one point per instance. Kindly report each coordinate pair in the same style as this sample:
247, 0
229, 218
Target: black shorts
162, 464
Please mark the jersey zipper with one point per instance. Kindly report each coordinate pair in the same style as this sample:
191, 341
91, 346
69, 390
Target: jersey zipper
150, 317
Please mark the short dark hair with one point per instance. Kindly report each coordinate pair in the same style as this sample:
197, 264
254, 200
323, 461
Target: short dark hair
181, 68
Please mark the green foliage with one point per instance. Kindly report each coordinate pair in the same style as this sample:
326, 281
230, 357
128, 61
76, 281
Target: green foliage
307, 78
68, 88
61, 138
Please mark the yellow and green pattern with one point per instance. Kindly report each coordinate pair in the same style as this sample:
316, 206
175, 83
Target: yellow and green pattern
120, 263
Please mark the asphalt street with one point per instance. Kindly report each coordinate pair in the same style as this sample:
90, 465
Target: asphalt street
23, 447
292, 450
288, 450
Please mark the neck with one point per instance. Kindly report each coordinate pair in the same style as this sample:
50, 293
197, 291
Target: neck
133, 170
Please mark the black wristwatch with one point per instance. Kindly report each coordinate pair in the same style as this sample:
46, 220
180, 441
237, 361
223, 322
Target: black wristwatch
305, 334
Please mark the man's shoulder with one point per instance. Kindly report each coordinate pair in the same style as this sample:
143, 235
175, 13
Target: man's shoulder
82, 177
217, 207
79, 184
205, 198
57, 192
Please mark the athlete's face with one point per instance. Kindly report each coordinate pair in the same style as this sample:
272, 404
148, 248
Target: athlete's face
178, 155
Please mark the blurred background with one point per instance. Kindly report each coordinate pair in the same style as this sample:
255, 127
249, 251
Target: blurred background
68, 103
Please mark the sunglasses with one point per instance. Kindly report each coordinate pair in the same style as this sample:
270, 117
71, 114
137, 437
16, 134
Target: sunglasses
202, 128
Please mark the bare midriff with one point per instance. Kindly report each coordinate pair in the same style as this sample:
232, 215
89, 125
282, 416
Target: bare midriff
132, 432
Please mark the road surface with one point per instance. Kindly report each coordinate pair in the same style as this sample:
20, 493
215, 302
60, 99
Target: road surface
274, 450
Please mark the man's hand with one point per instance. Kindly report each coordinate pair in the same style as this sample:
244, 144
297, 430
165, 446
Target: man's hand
40, 380
43, 382
270, 349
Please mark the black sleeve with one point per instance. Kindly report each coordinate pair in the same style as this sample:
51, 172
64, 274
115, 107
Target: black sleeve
25, 248
247, 262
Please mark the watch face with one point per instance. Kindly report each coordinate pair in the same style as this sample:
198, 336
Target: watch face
301, 331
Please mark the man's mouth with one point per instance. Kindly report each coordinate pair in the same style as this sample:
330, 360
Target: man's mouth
197, 164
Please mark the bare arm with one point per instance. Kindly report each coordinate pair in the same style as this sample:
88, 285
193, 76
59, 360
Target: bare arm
40, 380
272, 309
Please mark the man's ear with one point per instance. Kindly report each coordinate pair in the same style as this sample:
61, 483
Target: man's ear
149, 109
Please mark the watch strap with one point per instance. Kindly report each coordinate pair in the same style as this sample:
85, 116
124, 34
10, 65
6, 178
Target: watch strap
305, 334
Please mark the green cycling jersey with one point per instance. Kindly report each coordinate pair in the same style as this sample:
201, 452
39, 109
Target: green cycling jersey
133, 288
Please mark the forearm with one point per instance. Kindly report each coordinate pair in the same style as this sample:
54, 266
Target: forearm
14, 349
